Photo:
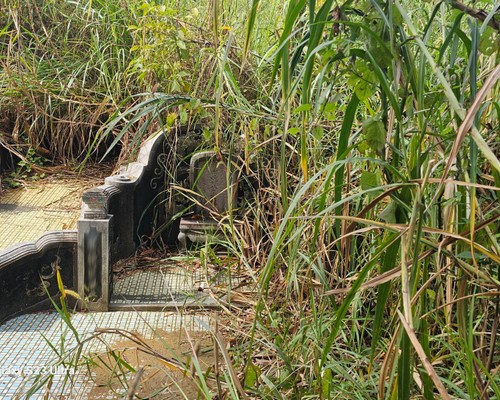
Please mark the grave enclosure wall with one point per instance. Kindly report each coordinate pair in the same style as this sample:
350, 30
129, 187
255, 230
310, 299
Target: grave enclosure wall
129, 207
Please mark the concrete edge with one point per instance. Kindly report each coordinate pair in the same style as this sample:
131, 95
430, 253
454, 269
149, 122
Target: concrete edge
19, 251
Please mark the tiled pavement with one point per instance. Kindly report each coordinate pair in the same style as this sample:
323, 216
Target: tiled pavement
33, 341
172, 286
24, 348
27, 213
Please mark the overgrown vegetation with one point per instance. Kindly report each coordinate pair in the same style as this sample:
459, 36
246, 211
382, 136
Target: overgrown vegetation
371, 129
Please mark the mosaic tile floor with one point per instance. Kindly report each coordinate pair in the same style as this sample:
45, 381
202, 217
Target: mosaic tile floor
27, 213
24, 348
172, 287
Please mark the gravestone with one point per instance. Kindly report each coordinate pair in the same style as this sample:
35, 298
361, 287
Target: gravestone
214, 187
213, 183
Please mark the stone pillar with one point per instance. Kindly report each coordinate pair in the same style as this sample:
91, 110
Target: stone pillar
94, 252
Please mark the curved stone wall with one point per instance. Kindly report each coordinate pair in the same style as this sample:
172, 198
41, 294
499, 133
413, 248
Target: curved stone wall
28, 272
128, 205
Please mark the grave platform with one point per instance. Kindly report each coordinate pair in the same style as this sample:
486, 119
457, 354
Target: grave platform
173, 285
168, 296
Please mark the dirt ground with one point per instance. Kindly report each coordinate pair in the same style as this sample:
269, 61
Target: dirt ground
159, 368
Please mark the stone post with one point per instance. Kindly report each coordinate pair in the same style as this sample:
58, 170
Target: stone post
94, 252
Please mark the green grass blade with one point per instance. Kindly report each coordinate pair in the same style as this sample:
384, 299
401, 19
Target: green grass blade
345, 133
389, 262
295, 7
341, 312
249, 31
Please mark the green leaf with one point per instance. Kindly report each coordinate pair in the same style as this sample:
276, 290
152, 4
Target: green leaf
207, 134
252, 375
375, 134
318, 133
363, 89
380, 53
183, 116
489, 42
330, 110
250, 26
301, 108
171, 117
345, 133
330, 107
369, 180
362, 80
388, 214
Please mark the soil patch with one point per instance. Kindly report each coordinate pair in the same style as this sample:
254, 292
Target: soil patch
159, 368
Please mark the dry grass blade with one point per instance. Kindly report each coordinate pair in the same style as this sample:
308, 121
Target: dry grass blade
144, 347
461, 183
135, 384
469, 119
470, 296
425, 361
388, 363
396, 272
227, 358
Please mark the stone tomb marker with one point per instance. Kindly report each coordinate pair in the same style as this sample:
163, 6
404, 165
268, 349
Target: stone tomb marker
215, 189
208, 177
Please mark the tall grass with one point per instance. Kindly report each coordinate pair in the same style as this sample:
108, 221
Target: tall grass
62, 72
367, 139
388, 249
